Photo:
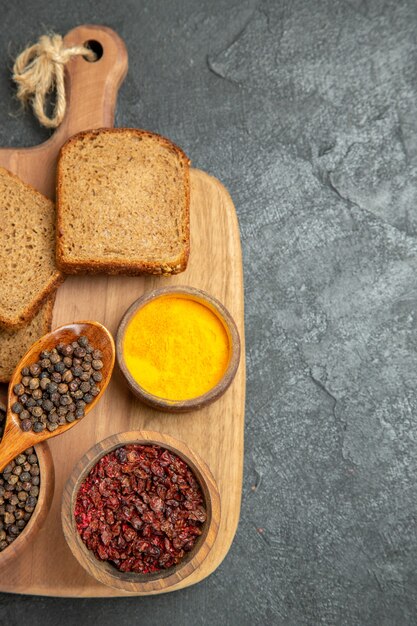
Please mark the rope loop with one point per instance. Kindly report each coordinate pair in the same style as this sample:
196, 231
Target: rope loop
39, 70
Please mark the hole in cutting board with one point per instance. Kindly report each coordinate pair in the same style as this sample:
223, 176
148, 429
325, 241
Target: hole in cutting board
96, 47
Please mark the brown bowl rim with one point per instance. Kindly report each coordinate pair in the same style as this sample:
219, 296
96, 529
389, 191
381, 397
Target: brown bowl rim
103, 571
181, 406
46, 492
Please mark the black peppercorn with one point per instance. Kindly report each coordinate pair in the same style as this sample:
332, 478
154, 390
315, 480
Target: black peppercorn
47, 405
67, 376
19, 389
55, 358
35, 369
17, 407
55, 398
77, 370
67, 350
58, 388
26, 425
51, 387
83, 341
34, 383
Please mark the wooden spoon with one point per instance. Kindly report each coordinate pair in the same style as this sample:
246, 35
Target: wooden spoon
15, 440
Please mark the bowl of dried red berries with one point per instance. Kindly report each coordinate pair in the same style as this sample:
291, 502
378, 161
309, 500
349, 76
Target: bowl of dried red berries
141, 511
26, 490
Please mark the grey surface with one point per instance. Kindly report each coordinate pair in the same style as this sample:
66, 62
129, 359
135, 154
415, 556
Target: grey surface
307, 111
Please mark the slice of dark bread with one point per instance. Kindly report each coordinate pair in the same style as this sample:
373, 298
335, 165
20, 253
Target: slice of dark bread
28, 271
123, 199
15, 343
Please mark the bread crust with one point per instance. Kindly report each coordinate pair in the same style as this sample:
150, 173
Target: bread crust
132, 268
32, 309
47, 324
57, 278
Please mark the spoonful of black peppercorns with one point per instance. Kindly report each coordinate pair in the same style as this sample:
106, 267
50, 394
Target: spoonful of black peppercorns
57, 382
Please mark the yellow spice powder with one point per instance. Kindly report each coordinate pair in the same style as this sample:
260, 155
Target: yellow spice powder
176, 348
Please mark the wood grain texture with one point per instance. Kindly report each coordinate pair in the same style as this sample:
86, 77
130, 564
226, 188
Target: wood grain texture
215, 432
91, 90
15, 440
105, 572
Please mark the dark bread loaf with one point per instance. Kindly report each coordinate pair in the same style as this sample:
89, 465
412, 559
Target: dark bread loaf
15, 343
123, 200
28, 272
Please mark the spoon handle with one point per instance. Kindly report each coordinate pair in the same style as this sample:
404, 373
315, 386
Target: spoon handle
13, 443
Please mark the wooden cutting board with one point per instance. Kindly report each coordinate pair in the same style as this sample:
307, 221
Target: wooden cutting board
216, 432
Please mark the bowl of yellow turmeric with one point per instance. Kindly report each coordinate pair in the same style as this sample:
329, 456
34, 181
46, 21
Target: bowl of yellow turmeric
178, 348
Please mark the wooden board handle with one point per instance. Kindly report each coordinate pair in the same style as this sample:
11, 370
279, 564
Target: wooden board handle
91, 90
92, 87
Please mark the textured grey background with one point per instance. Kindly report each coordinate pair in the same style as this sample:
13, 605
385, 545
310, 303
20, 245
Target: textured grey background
307, 111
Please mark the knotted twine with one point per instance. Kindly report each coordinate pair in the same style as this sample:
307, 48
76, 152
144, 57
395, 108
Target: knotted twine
39, 71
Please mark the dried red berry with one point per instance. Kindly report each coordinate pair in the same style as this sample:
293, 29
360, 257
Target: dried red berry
141, 508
